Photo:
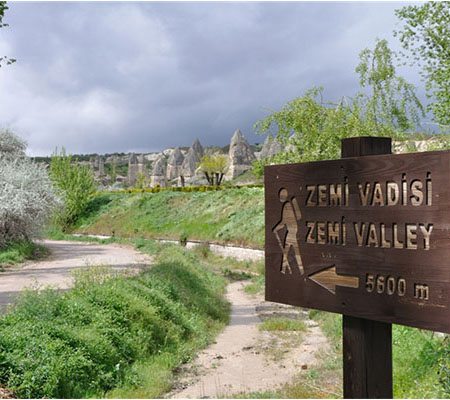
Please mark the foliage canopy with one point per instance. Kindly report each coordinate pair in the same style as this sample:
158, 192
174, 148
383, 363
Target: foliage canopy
425, 36
214, 167
312, 130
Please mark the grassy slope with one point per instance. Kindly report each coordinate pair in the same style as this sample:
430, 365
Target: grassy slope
21, 251
115, 336
238, 216
233, 215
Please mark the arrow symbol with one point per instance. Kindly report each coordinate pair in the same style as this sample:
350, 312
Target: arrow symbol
329, 279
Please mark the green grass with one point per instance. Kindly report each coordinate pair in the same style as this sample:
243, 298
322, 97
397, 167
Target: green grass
228, 216
19, 252
257, 285
417, 357
281, 324
112, 335
416, 363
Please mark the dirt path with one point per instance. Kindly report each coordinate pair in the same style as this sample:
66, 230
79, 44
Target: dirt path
66, 257
243, 359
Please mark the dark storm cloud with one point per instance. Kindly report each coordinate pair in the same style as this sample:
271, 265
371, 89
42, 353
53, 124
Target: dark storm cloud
104, 77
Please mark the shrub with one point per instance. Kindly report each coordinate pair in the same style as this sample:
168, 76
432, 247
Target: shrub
27, 199
74, 184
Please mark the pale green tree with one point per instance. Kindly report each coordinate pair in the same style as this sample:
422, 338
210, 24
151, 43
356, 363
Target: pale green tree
214, 167
392, 101
312, 130
425, 37
74, 184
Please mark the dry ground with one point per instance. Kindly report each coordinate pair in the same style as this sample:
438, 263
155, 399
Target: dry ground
244, 359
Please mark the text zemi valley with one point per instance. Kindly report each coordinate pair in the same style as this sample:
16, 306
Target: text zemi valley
415, 192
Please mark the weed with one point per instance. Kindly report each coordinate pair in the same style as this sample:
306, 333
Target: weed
235, 275
18, 252
282, 324
256, 286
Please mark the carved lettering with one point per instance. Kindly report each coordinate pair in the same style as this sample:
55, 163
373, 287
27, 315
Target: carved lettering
334, 232
411, 236
336, 195
421, 291
364, 193
404, 190
416, 192
384, 243
377, 196
392, 193
429, 189
322, 194
310, 232
321, 236
397, 243
310, 201
372, 239
359, 231
426, 232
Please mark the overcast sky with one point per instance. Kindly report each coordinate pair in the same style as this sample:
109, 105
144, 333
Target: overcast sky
120, 77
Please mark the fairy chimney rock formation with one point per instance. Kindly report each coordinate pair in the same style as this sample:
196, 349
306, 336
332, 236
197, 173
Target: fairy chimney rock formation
174, 164
142, 168
101, 167
197, 148
240, 157
189, 164
132, 170
158, 177
92, 164
270, 147
187, 172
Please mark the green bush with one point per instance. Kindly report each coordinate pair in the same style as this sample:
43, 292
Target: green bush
74, 184
87, 341
185, 189
18, 252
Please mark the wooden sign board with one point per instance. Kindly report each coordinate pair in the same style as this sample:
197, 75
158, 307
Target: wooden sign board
367, 237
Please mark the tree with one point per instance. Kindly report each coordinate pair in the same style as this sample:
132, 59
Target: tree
393, 101
425, 36
312, 130
214, 166
5, 59
74, 184
142, 181
27, 199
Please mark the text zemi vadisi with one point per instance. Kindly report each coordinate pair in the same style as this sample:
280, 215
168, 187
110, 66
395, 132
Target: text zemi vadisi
415, 192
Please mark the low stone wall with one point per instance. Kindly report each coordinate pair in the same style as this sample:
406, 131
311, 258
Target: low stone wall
239, 253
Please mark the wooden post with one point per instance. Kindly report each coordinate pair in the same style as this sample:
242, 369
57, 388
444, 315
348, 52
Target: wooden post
367, 345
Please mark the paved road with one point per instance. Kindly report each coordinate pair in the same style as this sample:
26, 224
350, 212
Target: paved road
66, 257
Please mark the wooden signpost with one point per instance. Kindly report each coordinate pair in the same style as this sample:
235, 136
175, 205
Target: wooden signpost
367, 237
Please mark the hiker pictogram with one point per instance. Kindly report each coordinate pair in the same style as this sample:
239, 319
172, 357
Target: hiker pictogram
290, 216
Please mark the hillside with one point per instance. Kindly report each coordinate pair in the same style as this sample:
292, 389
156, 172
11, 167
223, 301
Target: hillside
226, 216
